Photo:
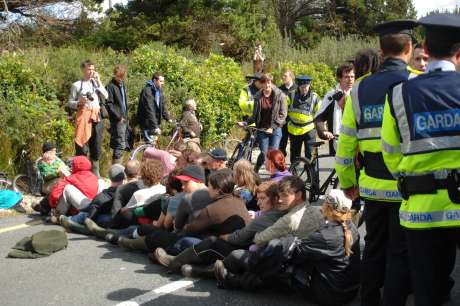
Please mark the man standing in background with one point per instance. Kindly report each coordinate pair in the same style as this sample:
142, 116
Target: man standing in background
288, 88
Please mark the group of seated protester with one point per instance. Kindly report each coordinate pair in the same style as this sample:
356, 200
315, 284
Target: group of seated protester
191, 214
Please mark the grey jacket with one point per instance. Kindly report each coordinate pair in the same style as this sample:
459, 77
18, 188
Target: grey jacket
301, 221
243, 237
279, 112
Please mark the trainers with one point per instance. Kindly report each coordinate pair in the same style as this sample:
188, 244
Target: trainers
162, 257
220, 273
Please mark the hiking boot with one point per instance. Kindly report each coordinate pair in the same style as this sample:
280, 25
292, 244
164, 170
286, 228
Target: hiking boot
73, 226
162, 257
95, 229
133, 244
197, 271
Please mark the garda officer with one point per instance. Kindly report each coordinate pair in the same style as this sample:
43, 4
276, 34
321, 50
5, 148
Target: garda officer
384, 261
421, 146
246, 100
301, 112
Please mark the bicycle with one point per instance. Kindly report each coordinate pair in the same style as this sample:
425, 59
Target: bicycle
31, 181
245, 147
308, 171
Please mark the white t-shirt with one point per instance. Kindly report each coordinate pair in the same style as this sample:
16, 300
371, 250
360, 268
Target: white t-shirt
146, 195
80, 88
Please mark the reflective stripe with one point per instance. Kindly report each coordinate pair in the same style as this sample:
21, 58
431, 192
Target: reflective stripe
300, 111
300, 119
396, 175
369, 133
389, 148
429, 217
347, 131
438, 174
381, 194
355, 102
344, 161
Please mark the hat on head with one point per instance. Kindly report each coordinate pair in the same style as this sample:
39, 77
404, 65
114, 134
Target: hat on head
337, 199
192, 173
403, 26
443, 27
303, 80
117, 173
48, 146
218, 154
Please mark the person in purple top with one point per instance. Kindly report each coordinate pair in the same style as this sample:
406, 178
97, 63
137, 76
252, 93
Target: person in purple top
275, 163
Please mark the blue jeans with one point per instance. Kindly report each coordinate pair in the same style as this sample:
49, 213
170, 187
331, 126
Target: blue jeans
267, 141
81, 216
182, 244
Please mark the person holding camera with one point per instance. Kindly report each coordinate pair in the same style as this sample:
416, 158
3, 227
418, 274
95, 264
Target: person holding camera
86, 97
333, 104
303, 108
152, 109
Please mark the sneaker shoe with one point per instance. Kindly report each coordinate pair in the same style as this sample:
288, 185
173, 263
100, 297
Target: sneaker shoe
112, 238
220, 272
162, 257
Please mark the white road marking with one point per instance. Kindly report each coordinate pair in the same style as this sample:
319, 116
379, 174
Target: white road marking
20, 226
156, 293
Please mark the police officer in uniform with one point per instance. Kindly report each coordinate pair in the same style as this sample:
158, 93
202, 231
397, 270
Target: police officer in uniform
421, 146
300, 113
246, 100
384, 262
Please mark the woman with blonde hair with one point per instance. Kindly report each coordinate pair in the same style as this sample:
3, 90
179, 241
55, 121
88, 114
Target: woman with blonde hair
246, 181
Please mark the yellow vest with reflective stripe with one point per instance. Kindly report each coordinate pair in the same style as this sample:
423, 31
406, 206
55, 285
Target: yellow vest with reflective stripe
246, 101
301, 115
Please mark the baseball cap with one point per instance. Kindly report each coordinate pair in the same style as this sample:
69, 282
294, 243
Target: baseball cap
192, 173
337, 199
117, 173
218, 154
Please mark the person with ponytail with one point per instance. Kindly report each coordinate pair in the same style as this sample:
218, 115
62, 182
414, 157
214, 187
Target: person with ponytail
275, 163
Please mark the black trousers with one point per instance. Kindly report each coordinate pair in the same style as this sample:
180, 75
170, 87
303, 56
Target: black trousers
157, 238
296, 144
94, 143
384, 262
284, 139
212, 248
432, 259
118, 138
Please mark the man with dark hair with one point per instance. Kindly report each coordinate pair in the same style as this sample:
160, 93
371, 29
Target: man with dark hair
331, 109
419, 59
420, 140
289, 88
366, 61
117, 107
85, 98
152, 108
384, 262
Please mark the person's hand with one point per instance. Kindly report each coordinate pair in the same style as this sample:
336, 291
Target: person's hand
241, 124
252, 214
352, 193
342, 101
82, 101
224, 237
329, 135
269, 131
192, 134
155, 223
97, 78
157, 131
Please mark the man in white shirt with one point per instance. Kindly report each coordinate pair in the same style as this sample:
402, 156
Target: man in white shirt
331, 109
85, 99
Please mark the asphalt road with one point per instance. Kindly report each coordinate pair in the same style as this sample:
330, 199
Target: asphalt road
93, 272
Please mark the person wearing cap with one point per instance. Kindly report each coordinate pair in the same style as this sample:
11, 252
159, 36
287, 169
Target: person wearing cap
215, 161
98, 210
384, 262
51, 167
246, 100
420, 141
301, 112
289, 88
333, 104
419, 59
269, 115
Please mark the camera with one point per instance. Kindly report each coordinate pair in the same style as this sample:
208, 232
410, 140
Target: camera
337, 96
89, 96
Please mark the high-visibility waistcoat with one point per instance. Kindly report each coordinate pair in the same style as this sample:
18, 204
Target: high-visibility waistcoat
246, 101
360, 132
301, 114
421, 135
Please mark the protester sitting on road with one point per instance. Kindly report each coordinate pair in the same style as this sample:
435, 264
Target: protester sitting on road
324, 266
51, 167
276, 165
212, 248
269, 115
191, 127
75, 191
99, 208
246, 181
215, 161
167, 159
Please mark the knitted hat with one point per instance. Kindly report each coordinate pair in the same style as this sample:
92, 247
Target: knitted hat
192, 173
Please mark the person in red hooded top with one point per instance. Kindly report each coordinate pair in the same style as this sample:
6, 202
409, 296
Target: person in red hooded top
75, 191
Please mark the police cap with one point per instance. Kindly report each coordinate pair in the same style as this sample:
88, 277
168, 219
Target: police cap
443, 27
255, 77
396, 27
303, 79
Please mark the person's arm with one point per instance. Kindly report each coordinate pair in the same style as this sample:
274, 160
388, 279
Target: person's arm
313, 248
186, 122
182, 214
200, 223
74, 96
112, 103
146, 100
168, 221
98, 86
243, 236
282, 115
160, 222
165, 114
391, 146
281, 228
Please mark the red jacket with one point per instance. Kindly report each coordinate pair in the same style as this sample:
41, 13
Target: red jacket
81, 177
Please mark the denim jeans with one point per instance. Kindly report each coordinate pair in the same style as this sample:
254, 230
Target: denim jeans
182, 244
267, 141
81, 216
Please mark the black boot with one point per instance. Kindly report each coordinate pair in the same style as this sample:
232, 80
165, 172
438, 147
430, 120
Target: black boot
197, 271
228, 280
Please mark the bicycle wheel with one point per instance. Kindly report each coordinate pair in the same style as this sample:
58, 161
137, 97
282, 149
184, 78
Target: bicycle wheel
236, 155
302, 168
231, 144
21, 183
139, 151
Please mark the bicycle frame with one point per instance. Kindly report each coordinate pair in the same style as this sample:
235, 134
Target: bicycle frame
330, 180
